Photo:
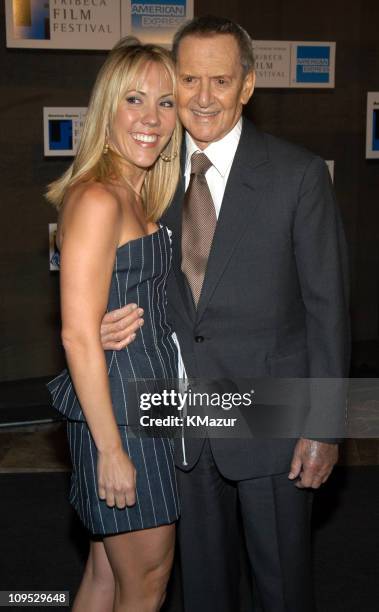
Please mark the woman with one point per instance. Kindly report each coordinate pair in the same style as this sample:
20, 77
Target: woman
112, 252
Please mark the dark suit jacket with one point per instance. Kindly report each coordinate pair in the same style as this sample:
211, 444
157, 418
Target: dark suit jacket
274, 299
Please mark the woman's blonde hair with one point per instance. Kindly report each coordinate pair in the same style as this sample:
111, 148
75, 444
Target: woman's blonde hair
121, 70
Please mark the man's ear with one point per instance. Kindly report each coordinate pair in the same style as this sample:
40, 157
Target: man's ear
248, 87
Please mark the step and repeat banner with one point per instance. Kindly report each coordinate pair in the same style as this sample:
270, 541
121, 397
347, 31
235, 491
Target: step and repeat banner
99, 24
294, 64
92, 24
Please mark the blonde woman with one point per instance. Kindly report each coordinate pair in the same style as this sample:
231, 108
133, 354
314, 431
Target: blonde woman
113, 252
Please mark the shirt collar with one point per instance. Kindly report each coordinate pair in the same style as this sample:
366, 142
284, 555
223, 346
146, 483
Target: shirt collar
221, 153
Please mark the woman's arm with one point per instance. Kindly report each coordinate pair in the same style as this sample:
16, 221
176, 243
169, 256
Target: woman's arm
90, 234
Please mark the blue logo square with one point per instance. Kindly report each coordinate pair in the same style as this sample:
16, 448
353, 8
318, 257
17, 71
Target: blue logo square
312, 64
31, 19
375, 129
60, 134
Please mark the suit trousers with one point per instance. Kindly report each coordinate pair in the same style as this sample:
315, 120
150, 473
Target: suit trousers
275, 518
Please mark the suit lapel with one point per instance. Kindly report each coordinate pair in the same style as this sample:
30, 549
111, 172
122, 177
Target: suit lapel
248, 178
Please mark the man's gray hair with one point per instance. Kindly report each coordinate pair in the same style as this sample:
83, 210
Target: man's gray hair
210, 26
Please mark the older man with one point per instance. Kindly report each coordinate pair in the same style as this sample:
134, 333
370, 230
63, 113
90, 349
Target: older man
258, 289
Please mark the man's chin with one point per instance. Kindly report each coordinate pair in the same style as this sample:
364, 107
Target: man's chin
203, 136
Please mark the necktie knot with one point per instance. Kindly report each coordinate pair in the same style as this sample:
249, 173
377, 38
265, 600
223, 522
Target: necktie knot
200, 163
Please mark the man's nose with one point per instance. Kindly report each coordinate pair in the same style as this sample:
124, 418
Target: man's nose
204, 95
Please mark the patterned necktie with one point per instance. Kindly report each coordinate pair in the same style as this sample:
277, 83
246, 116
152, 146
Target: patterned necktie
198, 226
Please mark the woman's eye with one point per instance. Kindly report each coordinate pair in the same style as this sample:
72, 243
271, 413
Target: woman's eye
133, 100
168, 103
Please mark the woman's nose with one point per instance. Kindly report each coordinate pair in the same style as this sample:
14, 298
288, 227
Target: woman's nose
151, 116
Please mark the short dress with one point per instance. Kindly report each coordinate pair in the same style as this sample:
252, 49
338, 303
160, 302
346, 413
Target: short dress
140, 273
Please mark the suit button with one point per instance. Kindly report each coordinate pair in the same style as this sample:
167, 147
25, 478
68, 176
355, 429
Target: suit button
199, 338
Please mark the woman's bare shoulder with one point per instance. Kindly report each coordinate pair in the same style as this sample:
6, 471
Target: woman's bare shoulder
93, 195
91, 204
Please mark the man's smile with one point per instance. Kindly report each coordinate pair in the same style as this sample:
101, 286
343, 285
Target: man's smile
205, 114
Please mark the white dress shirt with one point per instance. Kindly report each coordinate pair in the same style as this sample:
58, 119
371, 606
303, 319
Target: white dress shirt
221, 153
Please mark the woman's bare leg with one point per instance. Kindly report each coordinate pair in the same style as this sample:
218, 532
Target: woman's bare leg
141, 562
96, 591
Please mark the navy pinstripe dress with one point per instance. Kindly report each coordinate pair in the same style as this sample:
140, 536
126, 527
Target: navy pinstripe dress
139, 275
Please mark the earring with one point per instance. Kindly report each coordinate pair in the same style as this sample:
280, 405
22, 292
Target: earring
168, 158
106, 148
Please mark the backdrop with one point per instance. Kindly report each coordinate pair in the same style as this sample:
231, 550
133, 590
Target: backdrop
331, 123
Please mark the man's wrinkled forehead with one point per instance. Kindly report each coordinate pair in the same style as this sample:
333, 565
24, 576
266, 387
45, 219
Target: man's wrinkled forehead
219, 52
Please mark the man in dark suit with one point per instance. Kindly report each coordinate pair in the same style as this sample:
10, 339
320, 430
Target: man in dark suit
270, 300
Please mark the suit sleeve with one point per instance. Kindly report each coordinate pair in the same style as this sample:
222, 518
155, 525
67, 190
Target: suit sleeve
322, 264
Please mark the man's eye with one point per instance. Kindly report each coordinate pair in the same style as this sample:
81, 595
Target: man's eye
188, 79
221, 81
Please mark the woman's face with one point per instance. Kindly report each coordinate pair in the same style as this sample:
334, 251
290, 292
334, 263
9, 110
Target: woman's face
145, 118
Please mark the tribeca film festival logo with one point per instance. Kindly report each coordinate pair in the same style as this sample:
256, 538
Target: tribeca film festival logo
62, 130
312, 64
190, 399
38, 19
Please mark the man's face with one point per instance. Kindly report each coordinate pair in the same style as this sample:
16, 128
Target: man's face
211, 87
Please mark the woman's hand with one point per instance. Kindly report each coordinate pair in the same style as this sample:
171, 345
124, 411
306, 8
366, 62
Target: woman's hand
116, 477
